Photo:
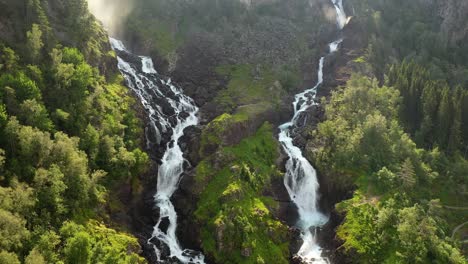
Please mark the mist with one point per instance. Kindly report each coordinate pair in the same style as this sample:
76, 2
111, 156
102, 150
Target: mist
112, 13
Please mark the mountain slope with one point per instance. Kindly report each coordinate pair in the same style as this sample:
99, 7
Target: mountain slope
69, 137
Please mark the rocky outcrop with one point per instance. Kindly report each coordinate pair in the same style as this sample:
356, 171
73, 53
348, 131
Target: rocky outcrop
454, 14
11, 31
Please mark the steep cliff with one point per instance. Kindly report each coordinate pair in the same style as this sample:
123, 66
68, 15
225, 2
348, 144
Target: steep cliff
454, 14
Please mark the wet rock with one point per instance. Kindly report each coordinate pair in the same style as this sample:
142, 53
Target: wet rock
297, 260
190, 144
148, 251
164, 224
295, 238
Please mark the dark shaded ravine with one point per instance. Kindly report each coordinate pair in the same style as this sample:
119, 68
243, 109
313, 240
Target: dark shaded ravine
185, 202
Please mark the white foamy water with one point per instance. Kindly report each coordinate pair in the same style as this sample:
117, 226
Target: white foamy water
151, 88
340, 13
300, 178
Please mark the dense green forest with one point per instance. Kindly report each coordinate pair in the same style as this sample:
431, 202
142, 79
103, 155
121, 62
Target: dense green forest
397, 215
400, 135
68, 136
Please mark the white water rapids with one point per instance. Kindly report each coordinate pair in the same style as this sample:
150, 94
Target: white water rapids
179, 114
301, 178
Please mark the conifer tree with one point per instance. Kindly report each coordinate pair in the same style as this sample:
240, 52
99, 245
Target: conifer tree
444, 118
34, 42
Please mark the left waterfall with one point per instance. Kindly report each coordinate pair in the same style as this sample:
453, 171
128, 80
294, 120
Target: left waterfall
169, 112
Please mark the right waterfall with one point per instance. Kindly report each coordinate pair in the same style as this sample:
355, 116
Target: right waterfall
300, 178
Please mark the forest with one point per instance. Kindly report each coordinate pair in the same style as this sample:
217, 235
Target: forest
385, 131
69, 136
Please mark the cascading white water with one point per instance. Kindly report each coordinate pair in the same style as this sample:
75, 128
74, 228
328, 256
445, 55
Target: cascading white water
340, 13
300, 178
150, 87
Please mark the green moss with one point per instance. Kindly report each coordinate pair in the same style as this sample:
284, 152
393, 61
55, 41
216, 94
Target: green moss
248, 85
239, 226
361, 59
212, 134
203, 174
233, 189
217, 132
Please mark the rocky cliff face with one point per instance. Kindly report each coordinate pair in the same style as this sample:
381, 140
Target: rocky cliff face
278, 40
454, 14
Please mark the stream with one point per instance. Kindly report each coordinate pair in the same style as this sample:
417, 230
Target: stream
300, 178
169, 112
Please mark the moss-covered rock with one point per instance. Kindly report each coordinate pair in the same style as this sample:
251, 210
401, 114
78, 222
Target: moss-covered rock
238, 221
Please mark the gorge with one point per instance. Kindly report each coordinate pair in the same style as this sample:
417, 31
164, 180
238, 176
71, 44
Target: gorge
171, 121
233, 131
301, 178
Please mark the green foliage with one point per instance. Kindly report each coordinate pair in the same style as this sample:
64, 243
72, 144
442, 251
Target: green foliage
9, 59
213, 134
8, 258
95, 243
34, 42
360, 134
358, 229
50, 187
3, 116
411, 30
388, 220
23, 87
13, 231
240, 227
47, 245
431, 110
35, 114
77, 250
389, 232
34, 257
58, 117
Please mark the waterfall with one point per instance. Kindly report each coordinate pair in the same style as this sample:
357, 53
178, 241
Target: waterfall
300, 178
340, 13
179, 113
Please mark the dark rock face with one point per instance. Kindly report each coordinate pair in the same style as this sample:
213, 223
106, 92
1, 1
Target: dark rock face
455, 17
195, 71
195, 68
142, 213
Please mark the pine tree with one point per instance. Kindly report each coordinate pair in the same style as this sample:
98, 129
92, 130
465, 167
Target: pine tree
34, 42
455, 130
430, 103
464, 122
36, 15
444, 118
407, 174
